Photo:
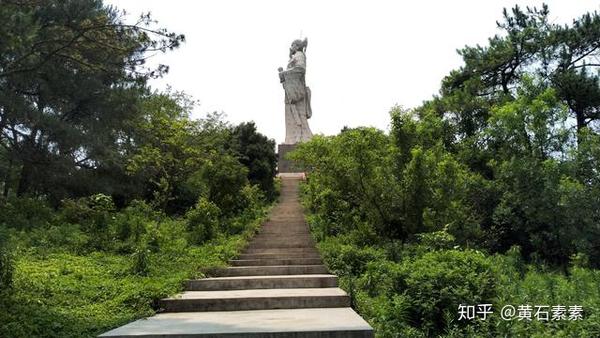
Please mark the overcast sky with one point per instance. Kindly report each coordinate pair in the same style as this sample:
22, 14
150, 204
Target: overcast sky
363, 57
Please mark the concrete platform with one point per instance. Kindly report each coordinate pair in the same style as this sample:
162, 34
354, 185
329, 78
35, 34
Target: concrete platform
281, 245
282, 251
270, 270
262, 299
295, 323
279, 255
276, 261
262, 282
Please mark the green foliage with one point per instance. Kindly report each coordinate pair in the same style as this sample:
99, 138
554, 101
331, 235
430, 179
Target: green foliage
488, 193
94, 214
171, 151
437, 281
356, 167
141, 261
71, 76
68, 295
203, 221
363, 177
257, 153
25, 213
437, 240
531, 44
130, 224
6, 261
226, 177
347, 259
64, 287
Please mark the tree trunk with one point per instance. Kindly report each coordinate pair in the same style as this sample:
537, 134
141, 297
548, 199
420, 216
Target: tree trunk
580, 125
8, 178
24, 179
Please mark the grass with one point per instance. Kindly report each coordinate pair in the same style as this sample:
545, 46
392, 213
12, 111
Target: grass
63, 294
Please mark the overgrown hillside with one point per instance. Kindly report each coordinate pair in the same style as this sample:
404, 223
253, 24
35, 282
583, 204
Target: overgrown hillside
110, 194
487, 194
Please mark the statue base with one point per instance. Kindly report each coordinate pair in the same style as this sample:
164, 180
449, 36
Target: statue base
284, 165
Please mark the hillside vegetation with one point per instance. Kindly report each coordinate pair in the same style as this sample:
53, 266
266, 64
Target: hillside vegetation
487, 194
110, 193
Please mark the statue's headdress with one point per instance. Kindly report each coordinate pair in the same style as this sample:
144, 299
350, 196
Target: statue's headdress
301, 43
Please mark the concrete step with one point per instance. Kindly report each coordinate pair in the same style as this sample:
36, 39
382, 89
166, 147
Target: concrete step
275, 233
282, 236
286, 221
280, 244
285, 227
290, 208
277, 255
284, 232
275, 261
256, 299
287, 208
294, 323
263, 240
270, 270
262, 282
280, 251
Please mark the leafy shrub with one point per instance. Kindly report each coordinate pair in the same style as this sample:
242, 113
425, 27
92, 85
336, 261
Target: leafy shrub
257, 153
25, 213
381, 278
94, 214
392, 317
170, 236
347, 259
203, 221
437, 240
6, 261
253, 199
141, 261
132, 224
437, 282
66, 235
226, 178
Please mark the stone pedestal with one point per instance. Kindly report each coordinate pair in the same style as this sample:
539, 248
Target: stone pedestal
284, 165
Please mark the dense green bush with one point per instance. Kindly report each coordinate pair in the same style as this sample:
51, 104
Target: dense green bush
25, 213
94, 214
252, 198
132, 224
347, 259
203, 221
413, 242
438, 281
141, 261
257, 153
6, 261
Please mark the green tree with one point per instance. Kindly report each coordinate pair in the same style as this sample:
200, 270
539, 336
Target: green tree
562, 55
165, 148
71, 73
257, 153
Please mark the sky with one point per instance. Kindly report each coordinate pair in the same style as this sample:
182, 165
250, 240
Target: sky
363, 57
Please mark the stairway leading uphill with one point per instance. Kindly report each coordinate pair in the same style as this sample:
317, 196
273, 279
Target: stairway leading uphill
278, 287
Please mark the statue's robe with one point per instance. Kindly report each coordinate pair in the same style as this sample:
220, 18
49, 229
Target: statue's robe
297, 100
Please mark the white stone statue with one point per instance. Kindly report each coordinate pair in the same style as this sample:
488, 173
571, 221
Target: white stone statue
297, 95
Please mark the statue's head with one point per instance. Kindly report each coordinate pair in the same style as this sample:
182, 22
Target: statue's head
298, 45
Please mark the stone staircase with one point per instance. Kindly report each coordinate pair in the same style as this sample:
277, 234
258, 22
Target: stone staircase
278, 287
